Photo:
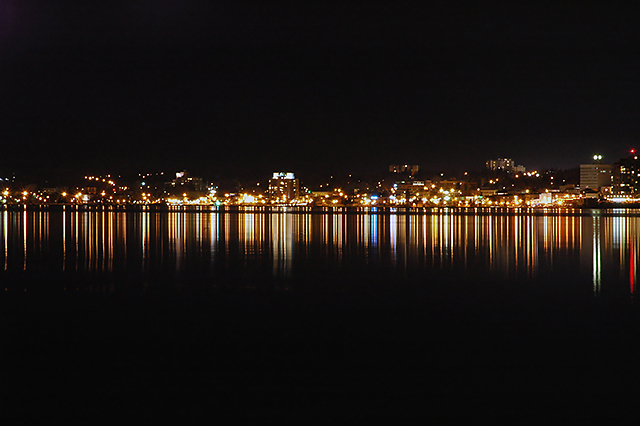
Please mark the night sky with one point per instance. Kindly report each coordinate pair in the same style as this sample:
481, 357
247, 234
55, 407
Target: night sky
245, 88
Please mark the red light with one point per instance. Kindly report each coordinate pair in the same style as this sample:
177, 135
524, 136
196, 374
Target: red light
633, 151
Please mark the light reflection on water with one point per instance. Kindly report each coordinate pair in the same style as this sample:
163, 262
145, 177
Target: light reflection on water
601, 248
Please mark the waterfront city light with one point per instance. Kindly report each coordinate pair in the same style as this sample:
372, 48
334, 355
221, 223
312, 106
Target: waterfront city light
533, 188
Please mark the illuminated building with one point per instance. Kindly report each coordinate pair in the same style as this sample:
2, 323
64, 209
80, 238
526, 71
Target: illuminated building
411, 188
283, 187
184, 183
412, 169
183, 178
626, 176
505, 165
595, 176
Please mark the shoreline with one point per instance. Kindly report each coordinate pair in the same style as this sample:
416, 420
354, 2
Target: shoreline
601, 210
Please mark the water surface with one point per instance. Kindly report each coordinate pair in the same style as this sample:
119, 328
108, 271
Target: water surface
592, 251
334, 314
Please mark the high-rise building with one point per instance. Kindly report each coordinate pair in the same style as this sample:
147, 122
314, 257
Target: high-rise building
595, 176
184, 182
505, 165
283, 187
626, 176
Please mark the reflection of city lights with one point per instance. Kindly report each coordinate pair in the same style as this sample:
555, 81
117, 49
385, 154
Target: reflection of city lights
512, 242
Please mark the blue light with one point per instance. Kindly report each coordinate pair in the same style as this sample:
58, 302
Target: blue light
374, 197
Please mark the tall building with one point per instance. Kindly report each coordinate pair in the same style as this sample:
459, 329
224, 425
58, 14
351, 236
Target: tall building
184, 182
626, 176
505, 165
283, 187
595, 176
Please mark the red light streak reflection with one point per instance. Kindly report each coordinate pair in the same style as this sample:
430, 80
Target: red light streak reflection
632, 271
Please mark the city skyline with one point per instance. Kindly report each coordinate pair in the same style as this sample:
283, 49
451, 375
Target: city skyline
501, 184
315, 177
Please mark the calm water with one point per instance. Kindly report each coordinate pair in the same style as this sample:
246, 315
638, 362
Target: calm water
589, 251
530, 314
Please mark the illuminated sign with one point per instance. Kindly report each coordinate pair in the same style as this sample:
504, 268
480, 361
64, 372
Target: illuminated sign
283, 175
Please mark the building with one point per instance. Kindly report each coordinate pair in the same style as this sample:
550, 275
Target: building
505, 165
283, 187
185, 180
413, 188
595, 176
184, 183
412, 169
626, 176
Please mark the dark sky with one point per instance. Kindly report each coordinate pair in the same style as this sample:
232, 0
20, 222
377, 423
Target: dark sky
244, 88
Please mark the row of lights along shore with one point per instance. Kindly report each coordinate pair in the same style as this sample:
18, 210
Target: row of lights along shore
503, 184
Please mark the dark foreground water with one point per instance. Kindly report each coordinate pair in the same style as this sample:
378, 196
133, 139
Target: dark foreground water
343, 315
